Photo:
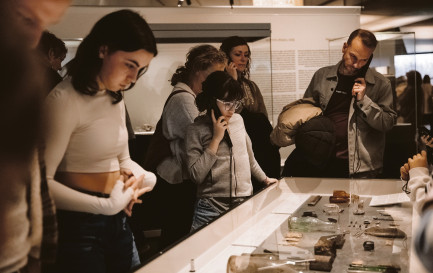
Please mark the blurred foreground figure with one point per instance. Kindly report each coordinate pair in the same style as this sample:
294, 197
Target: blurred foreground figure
22, 184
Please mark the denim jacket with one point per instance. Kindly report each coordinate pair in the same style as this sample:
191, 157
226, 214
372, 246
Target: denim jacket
369, 118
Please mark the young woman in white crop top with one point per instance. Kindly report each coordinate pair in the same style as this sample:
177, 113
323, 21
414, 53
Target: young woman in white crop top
90, 174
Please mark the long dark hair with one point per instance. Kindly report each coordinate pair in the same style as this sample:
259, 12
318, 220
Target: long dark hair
122, 30
198, 58
218, 85
233, 41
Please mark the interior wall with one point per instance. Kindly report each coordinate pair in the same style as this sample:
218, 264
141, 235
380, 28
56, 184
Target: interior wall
299, 46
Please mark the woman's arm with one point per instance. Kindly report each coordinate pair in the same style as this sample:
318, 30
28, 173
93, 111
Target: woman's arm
149, 179
199, 159
256, 170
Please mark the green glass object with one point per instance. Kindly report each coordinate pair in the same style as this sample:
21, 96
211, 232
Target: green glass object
309, 224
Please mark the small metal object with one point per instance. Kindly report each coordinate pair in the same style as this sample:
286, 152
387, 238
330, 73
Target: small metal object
309, 214
333, 220
314, 200
359, 212
368, 245
366, 223
383, 213
192, 268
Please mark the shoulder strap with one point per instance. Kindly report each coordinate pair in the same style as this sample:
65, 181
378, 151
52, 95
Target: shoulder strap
174, 93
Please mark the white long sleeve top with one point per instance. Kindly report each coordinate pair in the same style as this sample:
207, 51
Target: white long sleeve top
87, 134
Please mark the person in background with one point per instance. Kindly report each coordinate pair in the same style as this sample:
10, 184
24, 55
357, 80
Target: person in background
174, 183
27, 219
428, 101
239, 54
89, 171
411, 106
53, 52
359, 101
220, 163
253, 109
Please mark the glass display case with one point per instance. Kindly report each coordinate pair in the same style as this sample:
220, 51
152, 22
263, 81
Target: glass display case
259, 228
394, 59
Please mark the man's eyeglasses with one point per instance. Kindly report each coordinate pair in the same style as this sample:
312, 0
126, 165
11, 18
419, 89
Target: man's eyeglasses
230, 105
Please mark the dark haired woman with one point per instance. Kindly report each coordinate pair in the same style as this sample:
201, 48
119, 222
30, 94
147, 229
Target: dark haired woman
53, 52
239, 55
253, 109
180, 111
89, 171
407, 99
220, 165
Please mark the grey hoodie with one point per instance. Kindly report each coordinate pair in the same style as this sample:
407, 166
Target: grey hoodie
212, 171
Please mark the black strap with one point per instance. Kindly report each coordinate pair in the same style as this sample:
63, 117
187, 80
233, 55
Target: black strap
174, 93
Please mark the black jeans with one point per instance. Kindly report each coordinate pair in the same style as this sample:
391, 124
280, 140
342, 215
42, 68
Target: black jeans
177, 208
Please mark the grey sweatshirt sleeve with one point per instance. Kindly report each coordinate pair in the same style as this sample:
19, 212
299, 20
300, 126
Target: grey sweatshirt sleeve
199, 158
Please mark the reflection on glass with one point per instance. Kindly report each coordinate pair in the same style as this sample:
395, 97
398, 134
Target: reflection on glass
333, 211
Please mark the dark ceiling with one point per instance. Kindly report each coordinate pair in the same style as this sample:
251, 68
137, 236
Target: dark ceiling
381, 7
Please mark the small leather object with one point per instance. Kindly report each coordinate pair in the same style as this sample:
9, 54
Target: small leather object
340, 196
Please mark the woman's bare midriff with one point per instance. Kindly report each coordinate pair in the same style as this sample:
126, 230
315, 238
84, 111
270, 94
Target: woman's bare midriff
95, 182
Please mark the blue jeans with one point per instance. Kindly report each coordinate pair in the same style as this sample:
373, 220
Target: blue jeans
95, 243
210, 208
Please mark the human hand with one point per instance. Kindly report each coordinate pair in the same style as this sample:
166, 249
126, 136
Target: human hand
126, 173
231, 70
359, 88
268, 181
418, 160
135, 200
134, 184
219, 127
118, 200
404, 172
426, 141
